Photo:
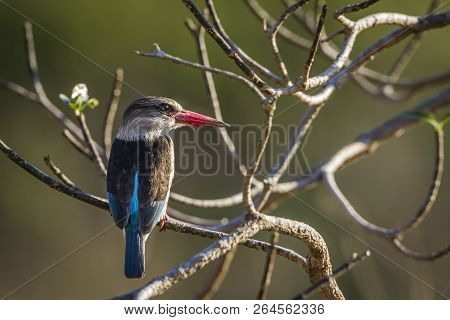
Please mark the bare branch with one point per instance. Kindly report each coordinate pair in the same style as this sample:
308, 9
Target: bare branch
248, 179
112, 110
57, 171
19, 90
420, 256
183, 217
41, 95
230, 52
356, 258
90, 143
77, 144
158, 53
314, 45
249, 60
52, 183
354, 7
213, 203
262, 15
199, 37
430, 199
213, 285
268, 269
272, 35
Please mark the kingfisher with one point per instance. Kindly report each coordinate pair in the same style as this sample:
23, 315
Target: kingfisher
141, 170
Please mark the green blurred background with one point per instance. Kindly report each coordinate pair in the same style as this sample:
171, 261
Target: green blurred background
39, 226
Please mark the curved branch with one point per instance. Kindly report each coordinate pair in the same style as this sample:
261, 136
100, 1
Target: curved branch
318, 264
112, 110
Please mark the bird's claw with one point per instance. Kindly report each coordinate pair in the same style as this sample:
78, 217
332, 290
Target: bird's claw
162, 222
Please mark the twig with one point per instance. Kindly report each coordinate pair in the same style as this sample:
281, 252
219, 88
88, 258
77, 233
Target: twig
199, 37
90, 143
19, 90
354, 7
247, 184
272, 35
268, 269
158, 53
249, 60
41, 95
333, 35
112, 110
78, 145
184, 217
315, 44
229, 51
421, 256
433, 190
305, 19
336, 273
213, 203
262, 15
216, 281
57, 171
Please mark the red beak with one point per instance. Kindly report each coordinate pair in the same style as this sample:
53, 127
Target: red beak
197, 119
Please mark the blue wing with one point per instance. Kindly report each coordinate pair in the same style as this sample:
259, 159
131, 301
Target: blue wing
121, 180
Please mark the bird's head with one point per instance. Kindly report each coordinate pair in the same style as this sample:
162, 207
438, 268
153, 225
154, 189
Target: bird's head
156, 115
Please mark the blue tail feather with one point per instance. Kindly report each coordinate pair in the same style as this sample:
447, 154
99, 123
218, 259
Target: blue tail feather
134, 253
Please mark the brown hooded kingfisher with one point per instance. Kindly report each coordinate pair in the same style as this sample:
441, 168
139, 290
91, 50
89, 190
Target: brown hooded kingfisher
141, 169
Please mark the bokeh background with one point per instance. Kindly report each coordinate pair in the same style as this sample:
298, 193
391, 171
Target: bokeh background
39, 226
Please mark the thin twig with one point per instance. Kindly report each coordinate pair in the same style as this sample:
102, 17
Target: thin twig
262, 15
41, 95
160, 54
354, 7
433, 190
333, 35
262, 70
199, 37
19, 90
216, 281
112, 110
421, 256
336, 273
315, 45
78, 145
272, 35
57, 171
229, 51
90, 143
268, 269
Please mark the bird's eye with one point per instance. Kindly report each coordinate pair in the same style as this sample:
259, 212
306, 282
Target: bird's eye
165, 108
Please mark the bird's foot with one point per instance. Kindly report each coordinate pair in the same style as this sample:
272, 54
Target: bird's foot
162, 222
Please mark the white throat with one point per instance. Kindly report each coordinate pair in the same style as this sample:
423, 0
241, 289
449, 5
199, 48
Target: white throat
139, 129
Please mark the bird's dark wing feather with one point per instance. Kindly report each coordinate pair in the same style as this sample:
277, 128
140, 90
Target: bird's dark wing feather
121, 179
